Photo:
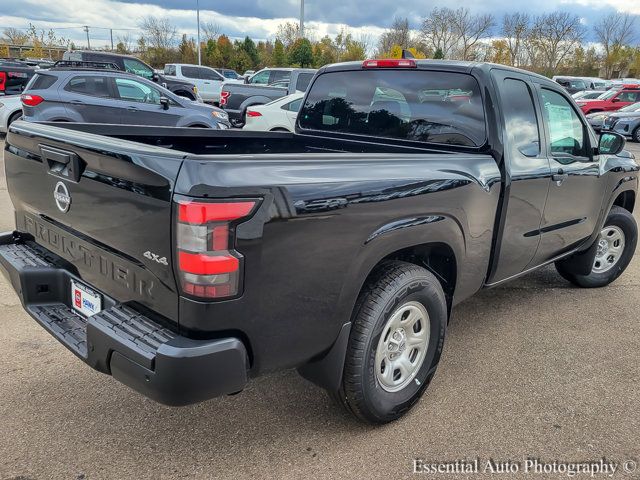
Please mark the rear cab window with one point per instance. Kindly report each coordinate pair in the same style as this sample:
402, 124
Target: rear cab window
415, 105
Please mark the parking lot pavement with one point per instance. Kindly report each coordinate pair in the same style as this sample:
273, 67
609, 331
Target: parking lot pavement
535, 368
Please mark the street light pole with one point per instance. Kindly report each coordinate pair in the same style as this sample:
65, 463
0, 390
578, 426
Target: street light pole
86, 29
301, 18
198, 20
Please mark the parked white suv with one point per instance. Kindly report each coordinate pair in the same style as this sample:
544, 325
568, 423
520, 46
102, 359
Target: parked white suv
207, 79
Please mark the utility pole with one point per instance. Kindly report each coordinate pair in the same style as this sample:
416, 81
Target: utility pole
301, 18
111, 34
86, 29
198, 20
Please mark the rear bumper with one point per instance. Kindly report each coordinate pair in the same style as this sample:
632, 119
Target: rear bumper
120, 341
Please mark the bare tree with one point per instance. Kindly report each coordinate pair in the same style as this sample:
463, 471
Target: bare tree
614, 31
14, 36
125, 43
399, 34
555, 36
515, 28
470, 29
288, 33
158, 33
210, 31
438, 31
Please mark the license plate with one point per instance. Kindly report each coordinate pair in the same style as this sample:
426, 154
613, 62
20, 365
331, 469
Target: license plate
84, 300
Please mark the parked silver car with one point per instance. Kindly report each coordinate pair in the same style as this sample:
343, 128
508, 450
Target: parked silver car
107, 96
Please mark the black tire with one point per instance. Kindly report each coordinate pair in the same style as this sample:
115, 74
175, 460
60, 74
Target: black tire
624, 220
391, 288
635, 136
279, 129
15, 116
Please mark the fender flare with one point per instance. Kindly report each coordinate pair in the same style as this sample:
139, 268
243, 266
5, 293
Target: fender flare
326, 370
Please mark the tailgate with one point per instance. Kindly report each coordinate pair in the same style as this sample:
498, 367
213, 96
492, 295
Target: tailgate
103, 204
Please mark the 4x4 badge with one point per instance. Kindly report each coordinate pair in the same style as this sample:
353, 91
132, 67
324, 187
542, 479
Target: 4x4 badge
156, 258
62, 197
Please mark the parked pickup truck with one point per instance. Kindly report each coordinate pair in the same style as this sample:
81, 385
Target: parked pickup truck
14, 76
265, 86
183, 262
208, 80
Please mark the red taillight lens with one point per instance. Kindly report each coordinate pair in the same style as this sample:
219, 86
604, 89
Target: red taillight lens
390, 63
208, 265
224, 96
253, 113
3, 81
31, 100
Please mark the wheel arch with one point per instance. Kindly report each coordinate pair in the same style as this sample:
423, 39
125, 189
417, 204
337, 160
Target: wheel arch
437, 256
626, 200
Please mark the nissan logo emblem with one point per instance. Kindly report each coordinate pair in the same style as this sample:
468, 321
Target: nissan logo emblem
62, 197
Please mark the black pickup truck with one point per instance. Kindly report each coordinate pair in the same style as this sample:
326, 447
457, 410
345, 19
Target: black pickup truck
183, 262
265, 86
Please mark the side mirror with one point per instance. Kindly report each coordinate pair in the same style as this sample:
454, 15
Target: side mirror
615, 100
164, 101
155, 77
611, 144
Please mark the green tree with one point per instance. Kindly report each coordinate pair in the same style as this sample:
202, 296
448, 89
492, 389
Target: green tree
301, 53
249, 47
187, 49
212, 54
279, 58
438, 54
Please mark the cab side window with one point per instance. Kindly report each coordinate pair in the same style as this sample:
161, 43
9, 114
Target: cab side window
566, 131
132, 65
261, 78
521, 123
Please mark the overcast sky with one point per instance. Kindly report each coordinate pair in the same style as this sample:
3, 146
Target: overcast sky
259, 18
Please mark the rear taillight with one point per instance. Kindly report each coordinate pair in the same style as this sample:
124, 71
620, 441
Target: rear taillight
224, 96
208, 264
390, 63
3, 81
253, 113
31, 100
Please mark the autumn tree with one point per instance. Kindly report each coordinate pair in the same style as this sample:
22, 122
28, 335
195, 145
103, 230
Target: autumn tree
14, 36
438, 32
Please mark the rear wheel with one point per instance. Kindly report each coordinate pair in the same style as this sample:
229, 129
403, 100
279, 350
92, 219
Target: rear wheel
15, 116
615, 248
636, 135
395, 343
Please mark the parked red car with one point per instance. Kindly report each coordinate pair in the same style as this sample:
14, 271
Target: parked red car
612, 100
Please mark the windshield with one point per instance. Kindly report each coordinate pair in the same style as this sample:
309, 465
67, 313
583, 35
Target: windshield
608, 94
423, 106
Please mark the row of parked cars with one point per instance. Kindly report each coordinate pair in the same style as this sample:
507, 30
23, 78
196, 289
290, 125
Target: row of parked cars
102, 87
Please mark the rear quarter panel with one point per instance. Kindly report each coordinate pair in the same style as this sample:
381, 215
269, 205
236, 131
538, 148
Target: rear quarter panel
325, 222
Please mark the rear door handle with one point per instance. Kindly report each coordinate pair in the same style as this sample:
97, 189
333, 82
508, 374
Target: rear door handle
559, 177
133, 109
76, 102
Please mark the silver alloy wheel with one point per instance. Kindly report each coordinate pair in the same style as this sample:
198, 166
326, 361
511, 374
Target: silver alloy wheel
403, 346
610, 247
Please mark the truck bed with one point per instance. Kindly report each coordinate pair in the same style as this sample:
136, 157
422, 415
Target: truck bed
329, 210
